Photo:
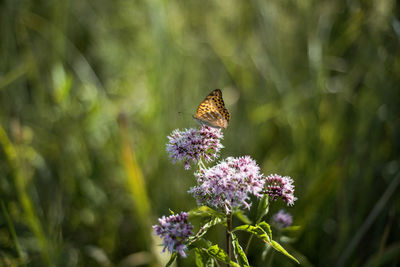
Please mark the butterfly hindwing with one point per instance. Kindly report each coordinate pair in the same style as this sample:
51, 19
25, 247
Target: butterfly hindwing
212, 111
219, 102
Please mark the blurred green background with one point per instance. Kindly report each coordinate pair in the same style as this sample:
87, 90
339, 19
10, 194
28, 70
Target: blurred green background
89, 91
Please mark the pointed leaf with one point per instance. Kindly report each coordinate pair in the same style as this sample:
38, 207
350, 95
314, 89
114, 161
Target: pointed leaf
220, 255
199, 243
241, 216
267, 229
263, 231
172, 259
279, 248
203, 259
203, 230
205, 211
255, 230
239, 253
262, 208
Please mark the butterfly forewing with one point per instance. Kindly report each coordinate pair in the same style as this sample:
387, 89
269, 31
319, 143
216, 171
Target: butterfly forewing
212, 111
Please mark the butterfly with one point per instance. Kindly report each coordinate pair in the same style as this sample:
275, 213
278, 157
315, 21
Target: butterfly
212, 111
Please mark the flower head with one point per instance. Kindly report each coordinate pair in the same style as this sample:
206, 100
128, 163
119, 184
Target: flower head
277, 186
228, 184
282, 219
192, 144
175, 231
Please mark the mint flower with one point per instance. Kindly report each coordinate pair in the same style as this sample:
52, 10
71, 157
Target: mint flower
175, 231
190, 145
228, 184
282, 219
277, 186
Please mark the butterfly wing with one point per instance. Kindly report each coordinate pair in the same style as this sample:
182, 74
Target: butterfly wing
212, 111
219, 102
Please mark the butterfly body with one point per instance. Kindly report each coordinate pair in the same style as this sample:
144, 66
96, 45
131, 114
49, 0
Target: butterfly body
212, 111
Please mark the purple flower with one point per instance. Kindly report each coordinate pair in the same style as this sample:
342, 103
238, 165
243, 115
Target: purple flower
283, 219
228, 184
277, 186
193, 144
175, 231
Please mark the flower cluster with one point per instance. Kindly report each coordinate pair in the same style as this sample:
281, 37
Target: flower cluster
175, 231
228, 184
193, 144
283, 219
277, 186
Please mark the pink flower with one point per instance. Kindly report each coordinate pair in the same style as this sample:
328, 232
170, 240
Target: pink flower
175, 231
277, 186
228, 184
190, 145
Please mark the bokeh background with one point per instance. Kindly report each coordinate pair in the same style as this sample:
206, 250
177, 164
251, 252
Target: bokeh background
89, 91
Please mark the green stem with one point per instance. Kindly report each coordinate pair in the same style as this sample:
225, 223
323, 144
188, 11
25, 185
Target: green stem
248, 243
228, 235
262, 210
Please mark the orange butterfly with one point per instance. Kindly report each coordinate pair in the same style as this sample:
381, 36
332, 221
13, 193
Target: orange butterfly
212, 111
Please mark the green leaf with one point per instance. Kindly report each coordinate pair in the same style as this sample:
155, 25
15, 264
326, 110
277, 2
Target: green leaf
256, 230
199, 243
172, 212
241, 216
203, 259
239, 253
220, 255
267, 229
262, 208
172, 259
205, 211
203, 230
263, 231
279, 248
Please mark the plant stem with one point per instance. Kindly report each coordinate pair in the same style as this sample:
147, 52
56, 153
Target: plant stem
228, 235
248, 243
262, 210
